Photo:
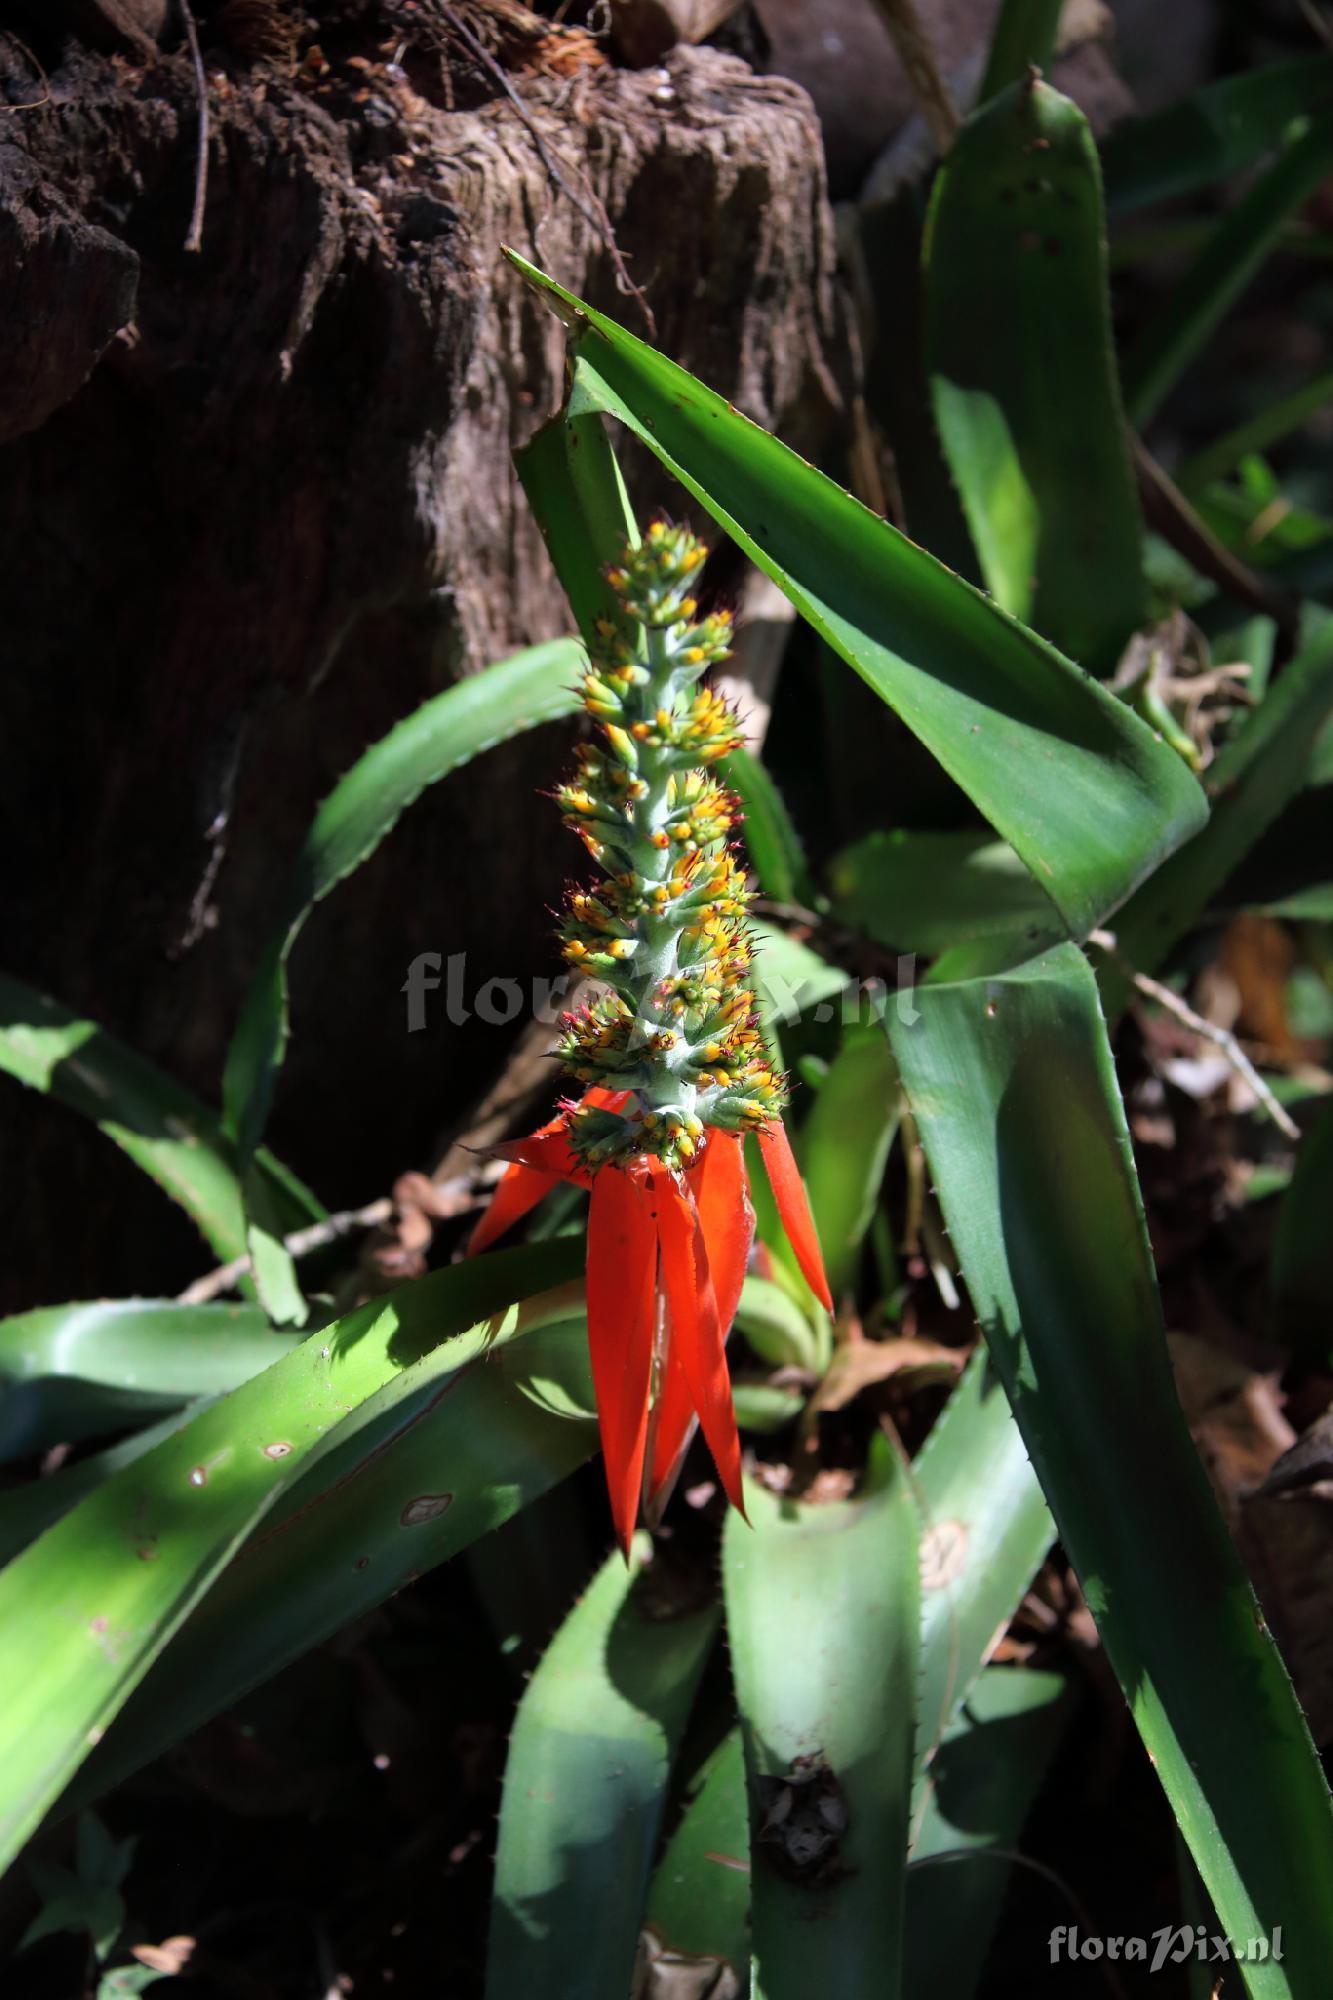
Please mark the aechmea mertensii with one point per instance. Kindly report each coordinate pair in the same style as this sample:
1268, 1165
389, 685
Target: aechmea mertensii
674, 1066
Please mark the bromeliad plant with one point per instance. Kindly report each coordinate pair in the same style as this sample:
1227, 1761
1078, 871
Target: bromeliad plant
674, 1064
239, 1493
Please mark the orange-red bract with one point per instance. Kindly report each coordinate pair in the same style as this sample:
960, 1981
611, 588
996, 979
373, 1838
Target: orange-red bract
696, 1330
669, 1246
726, 1219
622, 1311
538, 1163
784, 1178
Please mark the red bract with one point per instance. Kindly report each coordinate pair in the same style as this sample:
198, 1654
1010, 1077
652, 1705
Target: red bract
666, 1260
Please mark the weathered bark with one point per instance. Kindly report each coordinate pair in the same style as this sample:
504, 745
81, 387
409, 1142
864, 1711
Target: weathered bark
71, 289
281, 513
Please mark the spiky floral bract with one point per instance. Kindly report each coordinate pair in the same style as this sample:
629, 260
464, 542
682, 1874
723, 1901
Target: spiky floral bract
671, 1057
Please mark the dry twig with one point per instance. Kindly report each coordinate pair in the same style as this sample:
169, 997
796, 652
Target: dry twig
1221, 1038
37, 102
301, 1243
592, 209
194, 239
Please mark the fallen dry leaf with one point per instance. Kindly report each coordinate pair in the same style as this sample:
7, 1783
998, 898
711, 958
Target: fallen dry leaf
171, 1956
1285, 1538
1309, 1461
1256, 955
859, 1363
1287, 1541
660, 1973
1235, 1413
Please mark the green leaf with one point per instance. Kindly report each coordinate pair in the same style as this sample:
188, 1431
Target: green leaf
72, 1372
164, 1130
1217, 131
822, 1621
1232, 254
99, 1859
1253, 518
421, 1471
1258, 772
1321, 763
1265, 428
1250, 643
575, 490
1104, 801
485, 709
26, 1510
776, 1328
764, 1407
699, 1906
1313, 904
844, 1147
272, 1264
1030, 416
1012, 1086
124, 1980
1024, 34
928, 892
985, 1527
85, 1897
584, 1787
789, 976
983, 1783
99, 1596
98, 1913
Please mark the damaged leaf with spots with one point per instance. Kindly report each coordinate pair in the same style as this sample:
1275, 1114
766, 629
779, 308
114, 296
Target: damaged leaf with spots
821, 1606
